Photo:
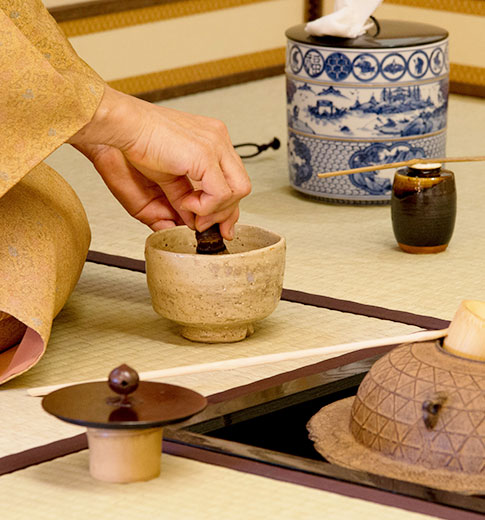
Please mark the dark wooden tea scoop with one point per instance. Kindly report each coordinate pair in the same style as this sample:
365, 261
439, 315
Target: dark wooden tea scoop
210, 242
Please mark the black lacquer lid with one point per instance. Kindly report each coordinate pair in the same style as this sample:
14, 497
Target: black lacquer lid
392, 34
423, 170
103, 405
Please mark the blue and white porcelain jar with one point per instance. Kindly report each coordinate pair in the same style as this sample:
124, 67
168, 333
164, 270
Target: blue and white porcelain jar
358, 102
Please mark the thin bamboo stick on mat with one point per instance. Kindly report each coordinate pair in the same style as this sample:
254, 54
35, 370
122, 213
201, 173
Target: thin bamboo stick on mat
400, 164
232, 364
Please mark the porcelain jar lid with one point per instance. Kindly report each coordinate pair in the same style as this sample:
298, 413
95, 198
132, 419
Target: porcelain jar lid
391, 34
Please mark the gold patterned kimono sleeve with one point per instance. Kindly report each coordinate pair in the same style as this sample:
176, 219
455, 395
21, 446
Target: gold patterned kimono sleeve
47, 92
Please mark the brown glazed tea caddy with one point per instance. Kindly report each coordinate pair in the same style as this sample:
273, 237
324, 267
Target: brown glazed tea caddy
423, 207
124, 419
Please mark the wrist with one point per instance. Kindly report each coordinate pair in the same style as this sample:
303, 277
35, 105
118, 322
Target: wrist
105, 122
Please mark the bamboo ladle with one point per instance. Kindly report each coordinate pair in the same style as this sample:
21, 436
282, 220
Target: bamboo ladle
410, 162
465, 337
231, 364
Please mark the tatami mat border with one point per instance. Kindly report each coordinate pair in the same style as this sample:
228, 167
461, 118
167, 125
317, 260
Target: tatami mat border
349, 489
467, 80
92, 17
71, 445
474, 7
102, 15
40, 454
165, 84
290, 295
313, 8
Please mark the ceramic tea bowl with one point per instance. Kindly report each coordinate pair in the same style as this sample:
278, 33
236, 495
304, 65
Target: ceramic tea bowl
215, 298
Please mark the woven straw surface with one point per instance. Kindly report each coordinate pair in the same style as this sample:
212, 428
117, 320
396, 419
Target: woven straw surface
340, 251
109, 320
186, 489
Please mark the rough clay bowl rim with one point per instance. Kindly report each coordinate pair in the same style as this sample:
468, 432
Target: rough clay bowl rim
330, 432
281, 241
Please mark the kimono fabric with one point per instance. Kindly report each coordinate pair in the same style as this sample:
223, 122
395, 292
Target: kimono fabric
48, 94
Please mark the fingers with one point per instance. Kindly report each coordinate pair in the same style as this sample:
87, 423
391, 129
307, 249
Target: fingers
161, 155
220, 185
226, 220
158, 214
227, 226
224, 180
142, 198
200, 149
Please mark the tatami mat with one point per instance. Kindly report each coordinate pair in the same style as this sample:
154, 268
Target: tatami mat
185, 490
109, 320
340, 251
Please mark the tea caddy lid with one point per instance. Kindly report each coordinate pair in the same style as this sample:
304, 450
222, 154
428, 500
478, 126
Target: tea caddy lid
391, 34
423, 170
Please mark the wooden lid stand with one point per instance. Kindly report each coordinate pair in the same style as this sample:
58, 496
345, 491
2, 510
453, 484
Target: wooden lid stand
124, 455
124, 421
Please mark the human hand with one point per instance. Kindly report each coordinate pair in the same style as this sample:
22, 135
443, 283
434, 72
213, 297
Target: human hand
166, 167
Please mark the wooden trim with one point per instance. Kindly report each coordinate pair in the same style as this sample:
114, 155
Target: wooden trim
157, 86
65, 13
313, 9
87, 17
474, 7
467, 80
80, 10
97, 8
204, 76
467, 89
333, 481
83, 20
210, 84
320, 482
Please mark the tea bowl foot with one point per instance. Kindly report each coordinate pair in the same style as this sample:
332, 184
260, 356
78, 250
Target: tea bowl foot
221, 334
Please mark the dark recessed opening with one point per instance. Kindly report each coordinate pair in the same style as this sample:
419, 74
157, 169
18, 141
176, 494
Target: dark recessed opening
283, 430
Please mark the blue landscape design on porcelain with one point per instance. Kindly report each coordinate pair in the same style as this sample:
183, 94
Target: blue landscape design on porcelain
352, 108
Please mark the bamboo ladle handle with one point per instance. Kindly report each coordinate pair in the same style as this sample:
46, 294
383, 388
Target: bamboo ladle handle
400, 164
231, 364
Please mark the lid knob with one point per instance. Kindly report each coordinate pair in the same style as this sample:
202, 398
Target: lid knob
123, 380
